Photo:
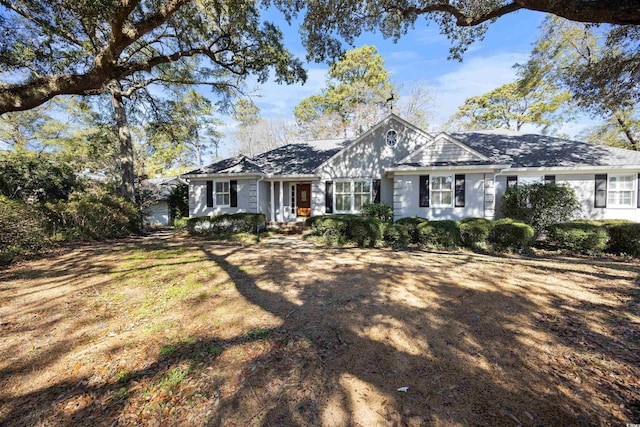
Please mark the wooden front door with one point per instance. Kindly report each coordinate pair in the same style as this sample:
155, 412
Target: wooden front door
303, 200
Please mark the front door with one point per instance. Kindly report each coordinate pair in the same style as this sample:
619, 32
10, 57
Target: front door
303, 199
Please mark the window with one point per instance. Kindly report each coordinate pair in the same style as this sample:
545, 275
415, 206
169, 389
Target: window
620, 190
442, 191
352, 195
361, 194
343, 196
391, 138
223, 194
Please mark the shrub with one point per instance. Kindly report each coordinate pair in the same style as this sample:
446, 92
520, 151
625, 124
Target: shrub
540, 205
181, 224
23, 230
412, 223
577, 237
178, 201
474, 232
443, 234
378, 210
395, 236
96, 216
625, 239
227, 224
508, 234
340, 229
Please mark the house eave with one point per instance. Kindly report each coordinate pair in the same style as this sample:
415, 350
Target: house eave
222, 175
291, 177
411, 170
575, 169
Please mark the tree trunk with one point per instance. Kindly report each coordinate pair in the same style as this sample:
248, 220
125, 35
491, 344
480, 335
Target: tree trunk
125, 157
635, 143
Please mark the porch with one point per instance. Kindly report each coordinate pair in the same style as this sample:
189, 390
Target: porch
288, 201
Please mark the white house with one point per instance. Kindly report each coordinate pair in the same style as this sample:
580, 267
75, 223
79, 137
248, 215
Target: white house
435, 176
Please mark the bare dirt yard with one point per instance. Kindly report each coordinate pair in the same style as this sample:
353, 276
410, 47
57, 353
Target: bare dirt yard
167, 330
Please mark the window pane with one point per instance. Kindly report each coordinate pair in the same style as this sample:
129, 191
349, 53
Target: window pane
435, 183
343, 202
447, 181
446, 198
361, 199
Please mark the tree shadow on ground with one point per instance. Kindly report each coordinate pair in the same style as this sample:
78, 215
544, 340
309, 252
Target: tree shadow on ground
478, 339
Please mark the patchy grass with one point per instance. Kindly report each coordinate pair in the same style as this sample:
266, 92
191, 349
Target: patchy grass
182, 331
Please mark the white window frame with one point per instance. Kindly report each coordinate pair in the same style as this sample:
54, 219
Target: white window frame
222, 193
613, 203
431, 190
352, 194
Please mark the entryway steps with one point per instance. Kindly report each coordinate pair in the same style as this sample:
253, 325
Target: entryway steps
288, 227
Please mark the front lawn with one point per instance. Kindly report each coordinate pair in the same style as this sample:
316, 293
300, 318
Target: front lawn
178, 331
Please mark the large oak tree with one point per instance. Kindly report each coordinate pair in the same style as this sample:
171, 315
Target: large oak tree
68, 47
329, 22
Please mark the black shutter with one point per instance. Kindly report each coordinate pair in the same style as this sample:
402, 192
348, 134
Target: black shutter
328, 197
459, 191
549, 179
209, 194
638, 197
233, 190
424, 191
376, 191
601, 191
512, 181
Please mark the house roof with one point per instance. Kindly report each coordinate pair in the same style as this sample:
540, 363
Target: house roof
300, 158
499, 147
232, 165
162, 186
522, 150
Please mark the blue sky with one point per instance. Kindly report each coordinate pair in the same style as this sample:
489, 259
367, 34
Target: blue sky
419, 57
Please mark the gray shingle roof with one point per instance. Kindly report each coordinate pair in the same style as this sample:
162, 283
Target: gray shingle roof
300, 158
531, 150
232, 165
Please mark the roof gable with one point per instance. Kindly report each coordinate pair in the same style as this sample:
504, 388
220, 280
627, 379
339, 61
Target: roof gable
443, 149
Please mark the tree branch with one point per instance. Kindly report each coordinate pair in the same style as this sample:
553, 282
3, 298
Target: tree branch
462, 20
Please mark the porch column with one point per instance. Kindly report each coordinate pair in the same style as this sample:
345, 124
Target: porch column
273, 202
281, 199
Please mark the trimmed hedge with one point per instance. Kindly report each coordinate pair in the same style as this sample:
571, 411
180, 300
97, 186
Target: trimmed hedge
227, 224
412, 224
578, 237
625, 239
395, 236
474, 232
508, 234
444, 234
345, 228
381, 211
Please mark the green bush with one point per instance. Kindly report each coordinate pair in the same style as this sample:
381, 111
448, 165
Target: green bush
474, 232
540, 205
508, 234
23, 230
578, 237
443, 234
96, 216
344, 228
227, 224
395, 236
412, 223
378, 210
624, 239
181, 224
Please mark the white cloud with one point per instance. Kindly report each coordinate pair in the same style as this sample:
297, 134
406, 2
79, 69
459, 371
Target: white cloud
475, 76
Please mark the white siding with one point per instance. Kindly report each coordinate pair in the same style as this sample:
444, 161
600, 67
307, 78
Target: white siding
442, 151
407, 199
247, 198
584, 186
